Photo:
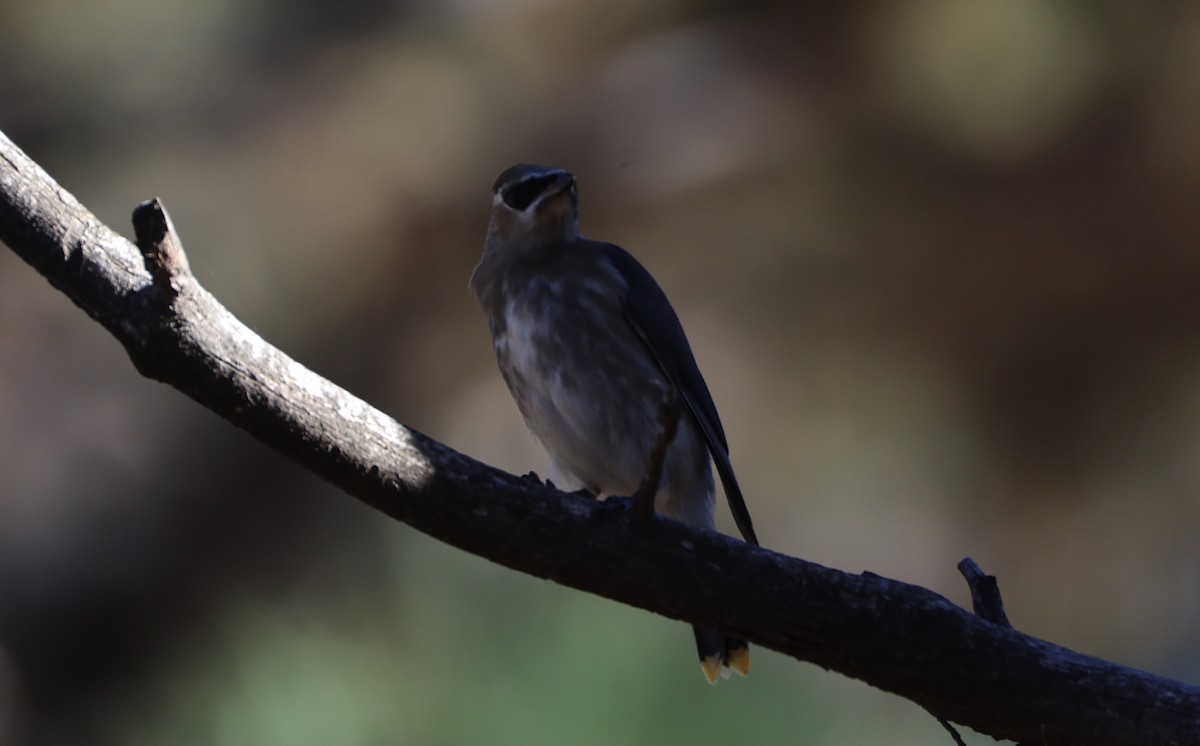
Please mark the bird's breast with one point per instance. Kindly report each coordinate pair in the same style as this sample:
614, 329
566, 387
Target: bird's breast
585, 384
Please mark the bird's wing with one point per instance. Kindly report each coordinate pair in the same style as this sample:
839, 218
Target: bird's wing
653, 320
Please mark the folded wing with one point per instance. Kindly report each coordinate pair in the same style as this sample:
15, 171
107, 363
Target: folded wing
652, 319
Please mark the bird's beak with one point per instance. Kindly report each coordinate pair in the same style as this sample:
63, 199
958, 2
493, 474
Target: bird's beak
561, 184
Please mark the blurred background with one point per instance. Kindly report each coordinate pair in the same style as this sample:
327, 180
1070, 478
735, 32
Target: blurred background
937, 261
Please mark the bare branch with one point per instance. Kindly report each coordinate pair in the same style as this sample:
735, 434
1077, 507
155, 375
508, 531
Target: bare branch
892, 635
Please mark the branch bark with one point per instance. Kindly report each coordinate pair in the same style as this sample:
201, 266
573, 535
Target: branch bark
898, 637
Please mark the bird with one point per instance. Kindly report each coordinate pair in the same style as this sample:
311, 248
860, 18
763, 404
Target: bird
590, 349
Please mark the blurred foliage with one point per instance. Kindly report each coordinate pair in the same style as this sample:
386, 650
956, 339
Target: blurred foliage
937, 260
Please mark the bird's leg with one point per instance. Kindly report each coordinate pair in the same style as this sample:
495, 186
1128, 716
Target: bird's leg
668, 415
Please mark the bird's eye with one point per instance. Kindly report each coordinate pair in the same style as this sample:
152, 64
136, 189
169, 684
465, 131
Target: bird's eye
521, 195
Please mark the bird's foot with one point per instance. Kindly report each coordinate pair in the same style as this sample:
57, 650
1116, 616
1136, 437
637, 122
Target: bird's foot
533, 478
615, 504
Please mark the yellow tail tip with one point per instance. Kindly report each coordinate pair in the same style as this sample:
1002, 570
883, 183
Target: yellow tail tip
739, 660
736, 660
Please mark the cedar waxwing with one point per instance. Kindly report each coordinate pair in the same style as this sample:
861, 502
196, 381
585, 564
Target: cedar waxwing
589, 347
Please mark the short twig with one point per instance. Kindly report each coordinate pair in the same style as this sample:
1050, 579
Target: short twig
985, 593
160, 247
958, 741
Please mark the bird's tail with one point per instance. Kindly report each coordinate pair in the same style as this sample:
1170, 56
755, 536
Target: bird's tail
719, 654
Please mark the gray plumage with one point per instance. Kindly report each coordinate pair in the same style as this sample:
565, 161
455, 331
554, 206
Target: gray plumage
588, 342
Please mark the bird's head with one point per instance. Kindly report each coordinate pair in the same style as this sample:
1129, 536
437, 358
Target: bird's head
532, 207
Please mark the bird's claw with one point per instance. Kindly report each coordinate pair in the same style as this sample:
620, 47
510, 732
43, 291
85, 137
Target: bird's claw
615, 504
533, 478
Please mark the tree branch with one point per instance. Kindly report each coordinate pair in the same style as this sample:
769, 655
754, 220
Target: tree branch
895, 636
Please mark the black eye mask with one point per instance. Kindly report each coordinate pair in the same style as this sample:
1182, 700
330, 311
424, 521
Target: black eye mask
521, 195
